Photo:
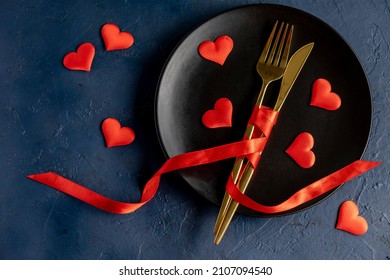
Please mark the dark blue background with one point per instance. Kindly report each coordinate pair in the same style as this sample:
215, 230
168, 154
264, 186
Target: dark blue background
50, 119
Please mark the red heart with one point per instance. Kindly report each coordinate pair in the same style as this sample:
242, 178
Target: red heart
114, 39
116, 135
216, 51
300, 150
323, 97
349, 219
221, 116
81, 59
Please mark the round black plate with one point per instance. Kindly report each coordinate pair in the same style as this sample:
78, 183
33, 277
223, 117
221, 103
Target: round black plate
190, 85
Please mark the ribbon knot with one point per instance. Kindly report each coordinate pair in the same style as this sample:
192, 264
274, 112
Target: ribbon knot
263, 119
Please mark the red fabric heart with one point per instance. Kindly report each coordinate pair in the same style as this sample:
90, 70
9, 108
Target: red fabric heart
114, 39
323, 97
220, 116
300, 150
349, 219
81, 59
116, 135
217, 51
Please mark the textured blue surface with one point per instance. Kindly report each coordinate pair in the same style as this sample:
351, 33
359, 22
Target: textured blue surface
50, 119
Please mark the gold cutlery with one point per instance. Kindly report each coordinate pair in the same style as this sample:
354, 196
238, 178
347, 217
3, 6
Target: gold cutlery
292, 70
270, 67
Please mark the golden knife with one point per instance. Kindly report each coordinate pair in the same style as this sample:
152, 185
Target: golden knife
291, 73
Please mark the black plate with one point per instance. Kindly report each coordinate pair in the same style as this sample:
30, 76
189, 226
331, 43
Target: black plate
190, 85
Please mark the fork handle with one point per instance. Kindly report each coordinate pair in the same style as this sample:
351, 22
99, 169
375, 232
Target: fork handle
235, 176
261, 95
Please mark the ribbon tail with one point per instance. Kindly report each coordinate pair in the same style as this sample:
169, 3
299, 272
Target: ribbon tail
71, 188
181, 161
306, 194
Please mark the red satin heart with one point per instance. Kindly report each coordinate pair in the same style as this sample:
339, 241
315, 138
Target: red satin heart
116, 135
300, 150
349, 219
323, 97
217, 51
220, 116
81, 59
114, 39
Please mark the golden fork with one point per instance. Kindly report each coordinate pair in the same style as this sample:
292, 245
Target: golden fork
270, 67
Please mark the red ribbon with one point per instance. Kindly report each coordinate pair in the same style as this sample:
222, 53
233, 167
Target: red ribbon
263, 119
181, 161
306, 194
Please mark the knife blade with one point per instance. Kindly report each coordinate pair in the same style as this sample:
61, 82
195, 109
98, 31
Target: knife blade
294, 67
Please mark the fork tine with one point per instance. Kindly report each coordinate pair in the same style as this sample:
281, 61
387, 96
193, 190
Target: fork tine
286, 51
267, 46
281, 46
275, 44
